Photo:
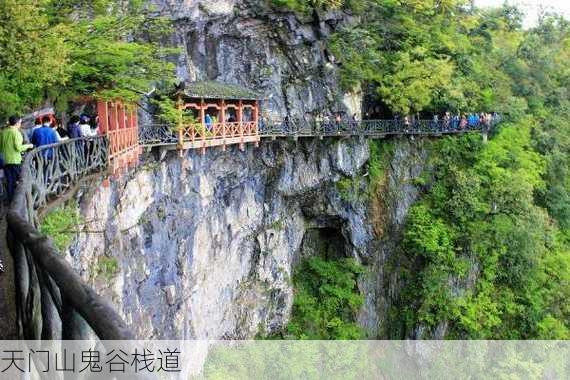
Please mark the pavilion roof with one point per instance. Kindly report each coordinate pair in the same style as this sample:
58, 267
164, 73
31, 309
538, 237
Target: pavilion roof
218, 90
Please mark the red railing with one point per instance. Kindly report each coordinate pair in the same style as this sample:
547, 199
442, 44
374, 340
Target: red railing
122, 141
217, 131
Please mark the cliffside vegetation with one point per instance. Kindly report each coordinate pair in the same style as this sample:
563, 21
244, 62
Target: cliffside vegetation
479, 252
61, 225
326, 300
306, 6
486, 251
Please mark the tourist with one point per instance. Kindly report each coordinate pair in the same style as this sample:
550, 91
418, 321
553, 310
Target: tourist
463, 123
73, 127
325, 124
472, 120
208, 121
407, 123
37, 124
62, 132
455, 120
45, 135
446, 121
11, 148
49, 121
435, 122
85, 127
338, 122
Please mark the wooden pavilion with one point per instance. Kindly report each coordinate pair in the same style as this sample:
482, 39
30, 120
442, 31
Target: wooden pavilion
119, 122
224, 114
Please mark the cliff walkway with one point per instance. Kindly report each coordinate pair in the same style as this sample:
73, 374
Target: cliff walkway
201, 136
52, 301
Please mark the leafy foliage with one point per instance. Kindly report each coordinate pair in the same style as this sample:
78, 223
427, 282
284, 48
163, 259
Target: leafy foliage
60, 225
59, 50
326, 300
479, 247
106, 267
480, 250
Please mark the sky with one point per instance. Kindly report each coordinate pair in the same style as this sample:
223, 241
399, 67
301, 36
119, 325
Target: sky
531, 7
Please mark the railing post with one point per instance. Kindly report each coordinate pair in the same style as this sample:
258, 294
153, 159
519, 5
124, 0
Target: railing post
180, 145
485, 133
241, 145
204, 131
224, 136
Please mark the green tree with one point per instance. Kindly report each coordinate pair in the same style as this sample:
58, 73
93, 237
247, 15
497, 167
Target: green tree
59, 50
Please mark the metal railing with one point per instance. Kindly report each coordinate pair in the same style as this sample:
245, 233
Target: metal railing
157, 134
368, 128
163, 134
52, 300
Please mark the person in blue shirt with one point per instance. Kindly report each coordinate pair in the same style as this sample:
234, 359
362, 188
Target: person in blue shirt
208, 121
472, 120
45, 135
73, 127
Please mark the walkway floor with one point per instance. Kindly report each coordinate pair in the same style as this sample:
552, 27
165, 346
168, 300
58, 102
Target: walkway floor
8, 324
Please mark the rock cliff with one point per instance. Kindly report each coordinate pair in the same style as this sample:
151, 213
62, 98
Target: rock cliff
248, 42
204, 246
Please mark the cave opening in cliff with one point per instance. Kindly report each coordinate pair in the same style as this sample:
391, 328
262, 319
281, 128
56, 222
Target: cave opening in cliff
326, 242
374, 108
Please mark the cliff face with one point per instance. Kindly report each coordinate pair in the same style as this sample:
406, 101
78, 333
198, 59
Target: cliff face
247, 42
203, 247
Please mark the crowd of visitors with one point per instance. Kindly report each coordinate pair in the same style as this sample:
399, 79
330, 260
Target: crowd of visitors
448, 122
14, 140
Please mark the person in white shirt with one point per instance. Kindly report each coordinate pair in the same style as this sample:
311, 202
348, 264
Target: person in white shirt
85, 127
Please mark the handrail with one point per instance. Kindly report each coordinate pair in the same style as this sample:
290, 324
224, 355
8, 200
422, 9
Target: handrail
157, 134
368, 128
164, 134
45, 283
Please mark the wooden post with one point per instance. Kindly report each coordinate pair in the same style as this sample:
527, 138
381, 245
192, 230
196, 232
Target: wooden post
103, 112
256, 121
240, 123
111, 131
130, 134
239, 111
180, 125
202, 123
204, 130
256, 111
115, 115
121, 115
202, 112
112, 116
180, 141
223, 124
